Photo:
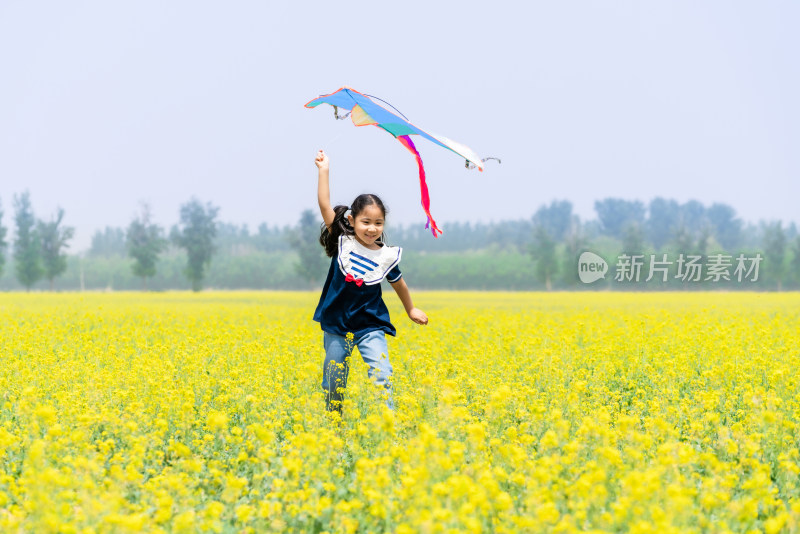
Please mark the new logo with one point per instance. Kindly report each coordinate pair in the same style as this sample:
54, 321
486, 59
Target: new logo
591, 267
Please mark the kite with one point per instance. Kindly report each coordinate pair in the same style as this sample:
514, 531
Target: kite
364, 112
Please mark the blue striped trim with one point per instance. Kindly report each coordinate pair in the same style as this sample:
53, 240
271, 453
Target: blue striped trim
362, 265
360, 257
395, 280
359, 271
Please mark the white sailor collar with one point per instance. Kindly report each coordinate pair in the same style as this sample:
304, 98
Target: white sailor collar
369, 265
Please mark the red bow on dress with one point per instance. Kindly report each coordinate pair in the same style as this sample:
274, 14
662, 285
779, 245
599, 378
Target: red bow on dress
351, 278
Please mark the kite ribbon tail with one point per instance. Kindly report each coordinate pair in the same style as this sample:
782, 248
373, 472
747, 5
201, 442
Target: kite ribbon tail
423, 186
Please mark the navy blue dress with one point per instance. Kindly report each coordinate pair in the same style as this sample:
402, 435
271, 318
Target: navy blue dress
347, 306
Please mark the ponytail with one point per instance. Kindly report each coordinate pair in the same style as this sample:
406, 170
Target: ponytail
329, 237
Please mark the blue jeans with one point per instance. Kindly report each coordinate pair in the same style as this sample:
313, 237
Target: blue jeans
375, 353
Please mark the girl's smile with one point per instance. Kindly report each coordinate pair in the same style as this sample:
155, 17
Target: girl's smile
368, 225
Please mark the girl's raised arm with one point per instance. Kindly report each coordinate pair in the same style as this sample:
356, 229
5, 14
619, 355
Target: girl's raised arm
324, 189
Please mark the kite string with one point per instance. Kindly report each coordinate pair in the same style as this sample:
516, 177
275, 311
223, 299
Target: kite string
335, 138
336, 114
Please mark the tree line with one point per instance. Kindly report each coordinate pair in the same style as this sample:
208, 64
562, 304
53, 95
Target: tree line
711, 236
540, 252
40, 246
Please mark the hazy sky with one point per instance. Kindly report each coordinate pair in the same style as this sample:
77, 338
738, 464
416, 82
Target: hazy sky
106, 104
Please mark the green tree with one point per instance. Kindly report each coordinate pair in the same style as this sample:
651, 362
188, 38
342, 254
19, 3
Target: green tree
271, 239
704, 235
662, 221
692, 214
691, 241
682, 240
27, 246
3, 243
633, 238
794, 266
726, 227
108, 242
54, 239
575, 243
145, 242
305, 240
554, 219
616, 215
774, 252
543, 252
195, 233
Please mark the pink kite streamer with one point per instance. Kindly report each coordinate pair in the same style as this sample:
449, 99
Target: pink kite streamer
423, 186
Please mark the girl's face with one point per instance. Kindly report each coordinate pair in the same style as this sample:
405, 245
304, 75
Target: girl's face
368, 225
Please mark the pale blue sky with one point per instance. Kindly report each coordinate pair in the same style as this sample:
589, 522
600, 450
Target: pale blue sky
105, 104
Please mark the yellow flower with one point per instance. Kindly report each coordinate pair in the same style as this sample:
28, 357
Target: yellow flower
216, 421
618, 412
184, 522
244, 512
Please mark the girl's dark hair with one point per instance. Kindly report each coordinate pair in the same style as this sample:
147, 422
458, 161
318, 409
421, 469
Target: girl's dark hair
329, 238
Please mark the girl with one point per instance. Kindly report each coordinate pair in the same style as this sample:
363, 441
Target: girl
351, 310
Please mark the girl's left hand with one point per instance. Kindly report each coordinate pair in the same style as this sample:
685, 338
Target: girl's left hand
418, 316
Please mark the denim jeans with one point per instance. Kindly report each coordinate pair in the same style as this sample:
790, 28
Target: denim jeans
375, 353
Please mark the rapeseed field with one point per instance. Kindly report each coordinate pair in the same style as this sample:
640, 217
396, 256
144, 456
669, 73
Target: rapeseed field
602, 412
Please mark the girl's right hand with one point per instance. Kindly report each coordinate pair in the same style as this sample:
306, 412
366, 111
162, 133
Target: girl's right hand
321, 160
